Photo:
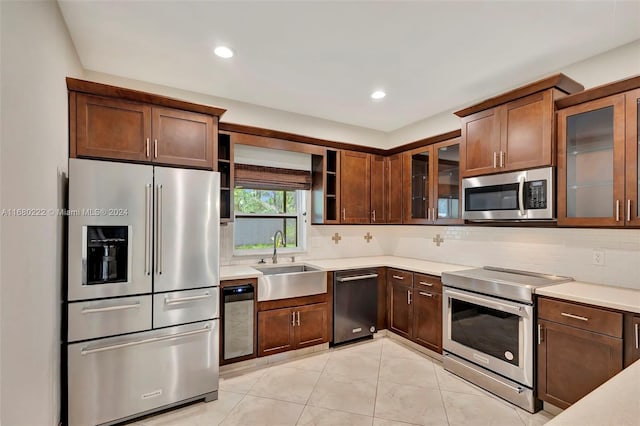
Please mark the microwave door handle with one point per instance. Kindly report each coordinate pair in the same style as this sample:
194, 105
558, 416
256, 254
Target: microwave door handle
521, 194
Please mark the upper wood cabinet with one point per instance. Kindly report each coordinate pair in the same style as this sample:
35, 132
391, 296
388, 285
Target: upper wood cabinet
378, 189
431, 177
598, 161
110, 128
355, 187
513, 131
183, 138
393, 188
514, 136
226, 169
121, 124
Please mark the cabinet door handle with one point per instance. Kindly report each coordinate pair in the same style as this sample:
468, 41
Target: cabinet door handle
408, 297
628, 210
578, 317
540, 338
428, 214
298, 318
495, 159
425, 283
155, 148
293, 319
501, 158
422, 293
636, 325
344, 214
617, 210
397, 277
147, 147
374, 215
435, 214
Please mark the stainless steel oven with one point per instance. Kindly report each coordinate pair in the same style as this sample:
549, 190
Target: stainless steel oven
523, 195
488, 329
494, 333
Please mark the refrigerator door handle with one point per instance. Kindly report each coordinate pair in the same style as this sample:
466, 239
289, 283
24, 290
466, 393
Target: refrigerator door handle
159, 229
147, 229
89, 351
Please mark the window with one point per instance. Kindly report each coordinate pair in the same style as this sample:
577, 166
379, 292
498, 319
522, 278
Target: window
259, 213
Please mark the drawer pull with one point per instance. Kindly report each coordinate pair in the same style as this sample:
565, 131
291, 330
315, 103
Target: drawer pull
110, 308
397, 277
424, 283
179, 300
89, 351
422, 293
578, 317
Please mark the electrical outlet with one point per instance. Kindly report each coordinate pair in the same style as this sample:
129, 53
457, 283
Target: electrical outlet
598, 257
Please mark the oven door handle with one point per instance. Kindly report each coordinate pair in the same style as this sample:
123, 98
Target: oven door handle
516, 310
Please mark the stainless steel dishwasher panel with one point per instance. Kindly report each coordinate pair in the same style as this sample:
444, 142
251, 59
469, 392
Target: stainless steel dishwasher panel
115, 378
355, 304
181, 307
108, 317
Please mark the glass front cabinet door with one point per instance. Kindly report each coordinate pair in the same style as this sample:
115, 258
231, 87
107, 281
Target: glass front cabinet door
632, 156
432, 178
591, 163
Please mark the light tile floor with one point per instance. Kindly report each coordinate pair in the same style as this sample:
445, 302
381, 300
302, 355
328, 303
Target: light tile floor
374, 383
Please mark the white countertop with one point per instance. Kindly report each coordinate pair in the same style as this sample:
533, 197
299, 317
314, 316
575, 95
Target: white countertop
236, 272
414, 265
624, 299
614, 403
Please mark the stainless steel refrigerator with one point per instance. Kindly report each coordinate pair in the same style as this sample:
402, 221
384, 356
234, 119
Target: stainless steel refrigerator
141, 305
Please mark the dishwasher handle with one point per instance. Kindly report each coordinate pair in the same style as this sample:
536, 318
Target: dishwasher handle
356, 278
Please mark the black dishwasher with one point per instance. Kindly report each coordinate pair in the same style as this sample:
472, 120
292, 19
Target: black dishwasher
355, 304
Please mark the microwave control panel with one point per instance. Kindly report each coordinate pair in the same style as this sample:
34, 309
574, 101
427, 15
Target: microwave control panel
535, 194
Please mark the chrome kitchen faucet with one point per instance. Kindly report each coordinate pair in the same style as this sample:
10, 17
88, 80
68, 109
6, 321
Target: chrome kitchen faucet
274, 258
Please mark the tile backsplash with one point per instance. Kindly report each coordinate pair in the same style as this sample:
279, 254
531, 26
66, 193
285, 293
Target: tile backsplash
561, 251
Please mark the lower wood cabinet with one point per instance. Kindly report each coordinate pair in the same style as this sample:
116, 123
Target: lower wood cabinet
427, 319
281, 330
415, 307
579, 348
631, 338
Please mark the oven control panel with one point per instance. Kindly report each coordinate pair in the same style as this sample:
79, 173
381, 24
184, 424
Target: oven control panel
535, 194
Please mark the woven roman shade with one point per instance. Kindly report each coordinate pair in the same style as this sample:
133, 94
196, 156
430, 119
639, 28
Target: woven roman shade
262, 177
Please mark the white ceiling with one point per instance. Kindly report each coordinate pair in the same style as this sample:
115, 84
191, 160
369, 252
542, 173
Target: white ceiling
324, 58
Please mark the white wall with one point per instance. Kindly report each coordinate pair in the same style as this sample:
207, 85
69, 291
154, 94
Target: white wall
36, 54
615, 64
258, 116
551, 250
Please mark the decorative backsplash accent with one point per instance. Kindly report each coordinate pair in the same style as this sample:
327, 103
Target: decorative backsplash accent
438, 240
368, 237
336, 238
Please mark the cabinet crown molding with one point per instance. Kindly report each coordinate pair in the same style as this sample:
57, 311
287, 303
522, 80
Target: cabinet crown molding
100, 89
558, 81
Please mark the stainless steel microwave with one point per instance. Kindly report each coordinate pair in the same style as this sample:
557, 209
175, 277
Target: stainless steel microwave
523, 195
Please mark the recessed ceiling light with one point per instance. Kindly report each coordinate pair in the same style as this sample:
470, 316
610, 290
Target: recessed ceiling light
378, 94
223, 52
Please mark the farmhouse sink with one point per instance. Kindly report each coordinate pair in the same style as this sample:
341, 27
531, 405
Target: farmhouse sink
284, 282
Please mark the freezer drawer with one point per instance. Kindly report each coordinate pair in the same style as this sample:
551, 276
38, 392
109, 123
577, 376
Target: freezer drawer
114, 378
180, 307
108, 317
